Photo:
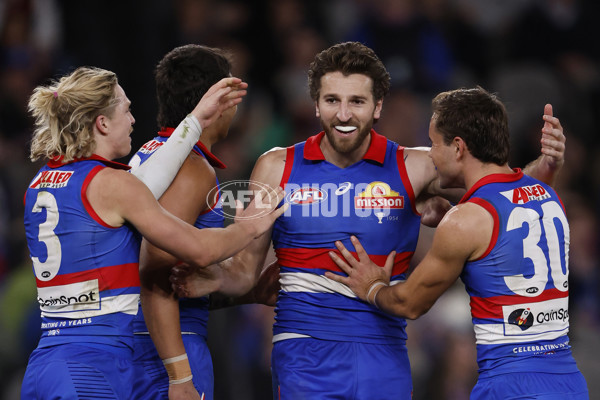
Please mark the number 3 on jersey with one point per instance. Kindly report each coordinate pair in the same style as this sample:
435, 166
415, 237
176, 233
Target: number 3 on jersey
535, 285
46, 270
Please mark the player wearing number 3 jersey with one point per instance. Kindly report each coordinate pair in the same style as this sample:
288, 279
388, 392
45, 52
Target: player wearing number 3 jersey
508, 240
83, 213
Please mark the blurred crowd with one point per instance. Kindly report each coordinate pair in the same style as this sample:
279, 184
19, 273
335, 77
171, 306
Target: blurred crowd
530, 52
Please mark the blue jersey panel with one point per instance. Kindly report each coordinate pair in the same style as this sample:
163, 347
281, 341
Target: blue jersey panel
86, 271
519, 287
371, 199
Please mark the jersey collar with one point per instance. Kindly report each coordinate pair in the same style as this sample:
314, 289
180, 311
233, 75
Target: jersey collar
375, 152
56, 162
493, 178
210, 157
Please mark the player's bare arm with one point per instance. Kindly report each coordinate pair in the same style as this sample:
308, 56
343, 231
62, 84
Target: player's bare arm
464, 234
159, 170
111, 194
264, 291
246, 265
185, 198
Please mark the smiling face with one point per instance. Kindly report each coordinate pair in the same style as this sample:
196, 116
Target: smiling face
347, 109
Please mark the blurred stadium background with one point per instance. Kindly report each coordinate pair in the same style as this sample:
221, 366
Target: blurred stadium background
531, 52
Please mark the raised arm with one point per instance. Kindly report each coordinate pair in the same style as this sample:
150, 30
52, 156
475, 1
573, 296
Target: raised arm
547, 166
160, 169
423, 177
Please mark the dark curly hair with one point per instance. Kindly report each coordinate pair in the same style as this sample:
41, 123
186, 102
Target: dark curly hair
349, 58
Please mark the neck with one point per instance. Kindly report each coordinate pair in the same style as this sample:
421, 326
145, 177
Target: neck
207, 142
478, 170
103, 150
344, 160
209, 137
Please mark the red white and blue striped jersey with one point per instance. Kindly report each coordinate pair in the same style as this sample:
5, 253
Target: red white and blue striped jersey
193, 312
519, 287
86, 271
371, 199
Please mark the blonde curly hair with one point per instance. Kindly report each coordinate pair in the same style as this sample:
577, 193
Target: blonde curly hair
65, 112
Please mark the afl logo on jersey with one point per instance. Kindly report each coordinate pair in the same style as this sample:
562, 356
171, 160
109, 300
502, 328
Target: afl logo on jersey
306, 196
522, 318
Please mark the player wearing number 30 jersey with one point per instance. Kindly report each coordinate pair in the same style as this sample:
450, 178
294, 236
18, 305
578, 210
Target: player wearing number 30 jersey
508, 240
519, 299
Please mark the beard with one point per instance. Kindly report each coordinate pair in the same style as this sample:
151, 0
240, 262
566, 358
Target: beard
346, 145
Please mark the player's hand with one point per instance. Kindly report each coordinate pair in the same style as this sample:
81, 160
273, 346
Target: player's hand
362, 273
190, 282
184, 391
262, 211
433, 210
267, 288
226, 93
553, 139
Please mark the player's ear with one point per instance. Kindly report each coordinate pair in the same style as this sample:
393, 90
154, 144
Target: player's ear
317, 112
378, 108
101, 124
459, 146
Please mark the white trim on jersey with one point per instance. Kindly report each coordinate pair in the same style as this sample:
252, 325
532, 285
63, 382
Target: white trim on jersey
125, 303
311, 283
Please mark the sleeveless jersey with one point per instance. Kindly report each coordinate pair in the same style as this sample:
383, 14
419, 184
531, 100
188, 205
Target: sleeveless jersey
519, 287
86, 271
371, 199
193, 312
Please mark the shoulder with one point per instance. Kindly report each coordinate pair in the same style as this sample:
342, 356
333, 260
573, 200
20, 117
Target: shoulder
466, 216
115, 182
416, 154
420, 169
189, 193
273, 156
195, 175
468, 226
270, 166
196, 170
113, 174
417, 150
112, 189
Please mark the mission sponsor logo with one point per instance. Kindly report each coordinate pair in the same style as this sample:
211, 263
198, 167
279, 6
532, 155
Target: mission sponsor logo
378, 195
525, 194
51, 180
71, 297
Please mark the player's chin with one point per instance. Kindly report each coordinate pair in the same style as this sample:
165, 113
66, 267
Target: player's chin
124, 151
